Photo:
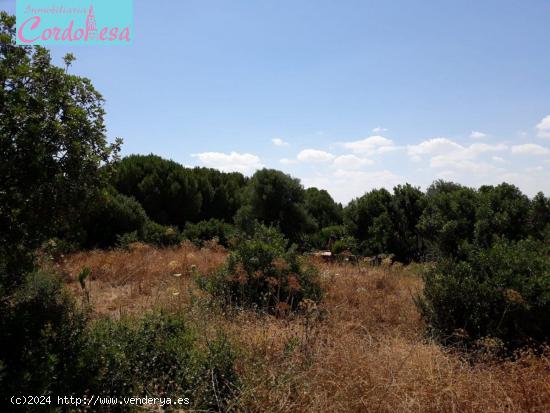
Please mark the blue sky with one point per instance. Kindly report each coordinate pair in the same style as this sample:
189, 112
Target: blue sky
346, 95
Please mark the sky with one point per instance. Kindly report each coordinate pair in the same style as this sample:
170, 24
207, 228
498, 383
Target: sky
345, 95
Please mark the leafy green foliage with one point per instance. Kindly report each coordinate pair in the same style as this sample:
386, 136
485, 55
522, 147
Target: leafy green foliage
42, 337
174, 195
262, 273
111, 216
539, 217
208, 230
448, 222
502, 292
320, 205
165, 189
274, 198
159, 354
53, 143
324, 238
49, 347
408, 204
502, 211
344, 244
160, 235
383, 222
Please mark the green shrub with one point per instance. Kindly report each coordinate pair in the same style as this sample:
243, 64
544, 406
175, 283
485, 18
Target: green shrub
208, 230
124, 240
56, 248
160, 235
324, 238
48, 347
502, 293
160, 355
41, 337
344, 244
113, 215
262, 273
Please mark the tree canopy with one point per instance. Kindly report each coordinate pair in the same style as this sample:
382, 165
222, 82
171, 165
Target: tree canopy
52, 144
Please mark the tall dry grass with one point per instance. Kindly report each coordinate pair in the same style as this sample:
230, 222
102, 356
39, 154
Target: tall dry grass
362, 350
143, 277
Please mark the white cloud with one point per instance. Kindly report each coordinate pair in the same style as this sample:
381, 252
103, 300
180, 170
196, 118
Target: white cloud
245, 163
447, 154
372, 145
479, 148
530, 149
347, 184
286, 161
314, 155
433, 146
543, 127
447, 147
379, 129
477, 135
498, 159
344, 185
351, 162
279, 142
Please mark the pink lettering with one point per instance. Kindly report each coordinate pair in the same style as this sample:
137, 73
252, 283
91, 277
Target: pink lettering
46, 34
78, 34
67, 33
103, 33
113, 33
33, 26
125, 34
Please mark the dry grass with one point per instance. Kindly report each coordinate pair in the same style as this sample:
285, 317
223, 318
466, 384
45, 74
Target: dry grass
362, 350
129, 282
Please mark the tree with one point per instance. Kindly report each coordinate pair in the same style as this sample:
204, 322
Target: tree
408, 204
539, 217
174, 195
52, 144
54, 160
448, 221
112, 216
221, 193
502, 212
274, 198
369, 220
320, 205
167, 191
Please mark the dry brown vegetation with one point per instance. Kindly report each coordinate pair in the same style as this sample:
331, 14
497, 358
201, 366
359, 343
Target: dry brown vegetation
362, 350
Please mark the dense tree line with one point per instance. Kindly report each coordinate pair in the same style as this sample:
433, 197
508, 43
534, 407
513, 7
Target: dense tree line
447, 219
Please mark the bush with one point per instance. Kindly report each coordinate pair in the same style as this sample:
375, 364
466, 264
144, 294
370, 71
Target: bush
160, 355
42, 335
502, 293
262, 273
160, 235
208, 230
344, 244
113, 215
324, 238
48, 347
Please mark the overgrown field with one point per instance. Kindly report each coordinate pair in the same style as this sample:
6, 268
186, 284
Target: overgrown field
363, 349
